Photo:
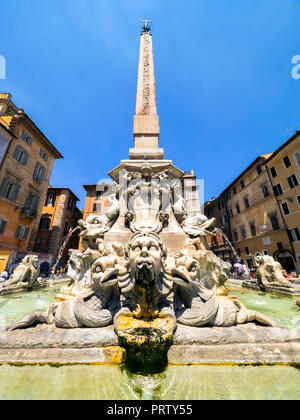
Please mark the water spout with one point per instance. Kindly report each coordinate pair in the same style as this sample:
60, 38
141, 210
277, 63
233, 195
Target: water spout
236, 257
61, 250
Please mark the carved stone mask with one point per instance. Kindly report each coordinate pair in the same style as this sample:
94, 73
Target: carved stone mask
145, 257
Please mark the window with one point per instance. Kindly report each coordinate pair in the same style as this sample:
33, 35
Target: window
50, 200
31, 205
21, 155
66, 230
274, 222
298, 198
230, 213
292, 180
265, 190
223, 220
235, 236
253, 229
70, 203
26, 138
259, 169
3, 146
247, 204
273, 172
242, 184
286, 161
277, 190
265, 252
97, 207
39, 173
294, 234
234, 191
247, 250
238, 210
285, 209
297, 157
22, 232
44, 155
45, 223
9, 190
279, 245
238, 252
2, 225
243, 232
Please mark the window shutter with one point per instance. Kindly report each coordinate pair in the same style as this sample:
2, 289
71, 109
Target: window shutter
15, 192
25, 158
26, 231
4, 185
28, 201
42, 174
290, 235
36, 171
39, 173
17, 152
2, 225
35, 204
18, 231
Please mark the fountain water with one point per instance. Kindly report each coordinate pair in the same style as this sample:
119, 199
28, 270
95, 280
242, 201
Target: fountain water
236, 257
61, 250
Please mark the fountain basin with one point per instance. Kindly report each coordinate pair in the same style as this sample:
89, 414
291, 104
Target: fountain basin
245, 344
19, 288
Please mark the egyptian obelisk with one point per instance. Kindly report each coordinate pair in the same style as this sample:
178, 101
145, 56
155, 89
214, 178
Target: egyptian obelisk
146, 121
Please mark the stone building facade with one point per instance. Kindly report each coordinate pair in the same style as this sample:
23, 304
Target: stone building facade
217, 208
262, 208
96, 199
60, 216
26, 166
283, 168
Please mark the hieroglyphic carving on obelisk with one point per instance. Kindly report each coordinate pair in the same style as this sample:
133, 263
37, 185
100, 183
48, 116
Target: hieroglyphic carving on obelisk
146, 120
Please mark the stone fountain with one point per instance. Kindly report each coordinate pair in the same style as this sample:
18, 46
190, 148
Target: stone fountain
26, 277
145, 286
269, 278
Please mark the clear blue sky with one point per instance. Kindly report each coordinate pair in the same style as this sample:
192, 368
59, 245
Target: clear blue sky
223, 79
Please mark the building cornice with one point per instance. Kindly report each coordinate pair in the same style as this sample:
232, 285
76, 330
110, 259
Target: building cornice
297, 134
26, 120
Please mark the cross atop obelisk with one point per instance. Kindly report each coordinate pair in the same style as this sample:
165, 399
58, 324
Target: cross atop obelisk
146, 121
146, 28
